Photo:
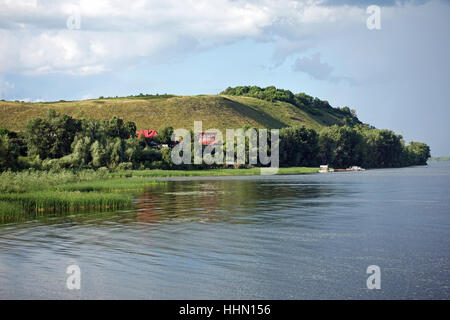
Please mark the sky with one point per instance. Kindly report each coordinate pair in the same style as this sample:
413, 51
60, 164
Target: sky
396, 76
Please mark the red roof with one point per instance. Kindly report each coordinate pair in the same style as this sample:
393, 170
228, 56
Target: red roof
147, 133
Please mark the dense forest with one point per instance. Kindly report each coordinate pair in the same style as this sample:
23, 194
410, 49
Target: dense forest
61, 141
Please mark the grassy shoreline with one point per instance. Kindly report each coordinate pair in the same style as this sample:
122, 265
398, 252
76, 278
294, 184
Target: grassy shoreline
159, 173
41, 191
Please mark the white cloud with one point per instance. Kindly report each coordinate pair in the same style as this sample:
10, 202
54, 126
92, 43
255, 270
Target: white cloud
34, 37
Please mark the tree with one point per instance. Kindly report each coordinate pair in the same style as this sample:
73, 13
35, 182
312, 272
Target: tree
9, 154
418, 153
116, 150
340, 146
51, 137
82, 151
298, 146
382, 149
98, 155
165, 136
117, 128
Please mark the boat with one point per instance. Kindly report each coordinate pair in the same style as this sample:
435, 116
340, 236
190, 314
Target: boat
355, 168
352, 168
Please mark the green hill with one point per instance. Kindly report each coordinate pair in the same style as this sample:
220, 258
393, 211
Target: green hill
159, 111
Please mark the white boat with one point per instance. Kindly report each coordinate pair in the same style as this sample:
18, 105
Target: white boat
355, 168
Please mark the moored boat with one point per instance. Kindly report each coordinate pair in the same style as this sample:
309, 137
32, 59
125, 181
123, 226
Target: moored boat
352, 168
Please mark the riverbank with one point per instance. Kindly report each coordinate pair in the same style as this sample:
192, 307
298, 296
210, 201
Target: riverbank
157, 173
35, 192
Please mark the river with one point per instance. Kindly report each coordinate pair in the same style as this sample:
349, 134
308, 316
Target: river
258, 237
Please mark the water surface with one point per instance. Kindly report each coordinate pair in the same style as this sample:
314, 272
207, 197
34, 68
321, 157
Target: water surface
272, 237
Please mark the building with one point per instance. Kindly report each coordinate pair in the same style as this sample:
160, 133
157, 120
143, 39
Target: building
147, 133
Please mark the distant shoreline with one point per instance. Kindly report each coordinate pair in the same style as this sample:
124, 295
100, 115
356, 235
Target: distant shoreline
440, 159
161, 173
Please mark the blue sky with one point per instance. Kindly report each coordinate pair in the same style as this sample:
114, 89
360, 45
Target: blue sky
396, 77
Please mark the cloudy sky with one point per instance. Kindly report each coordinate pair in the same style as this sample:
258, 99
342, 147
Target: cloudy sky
396, 77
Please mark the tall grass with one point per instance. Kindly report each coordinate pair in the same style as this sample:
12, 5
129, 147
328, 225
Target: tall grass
9, 210
42, 191
29, 180
59, 201
109, 185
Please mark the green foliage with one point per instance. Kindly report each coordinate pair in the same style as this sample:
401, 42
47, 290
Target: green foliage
345, 146
98, 155
40, 191
340, 147
33, 180
270, 93
165, 136
418, 153
51, 137
298, 146
117, 128
383, 149
51, 200
109, 185
89, 143
9, 210
9, 153
17, 139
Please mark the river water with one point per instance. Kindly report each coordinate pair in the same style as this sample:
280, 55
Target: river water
260, 237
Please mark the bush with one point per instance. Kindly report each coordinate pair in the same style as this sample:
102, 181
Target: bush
9, 154
124, 166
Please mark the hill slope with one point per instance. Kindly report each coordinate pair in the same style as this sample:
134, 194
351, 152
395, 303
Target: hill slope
157, 112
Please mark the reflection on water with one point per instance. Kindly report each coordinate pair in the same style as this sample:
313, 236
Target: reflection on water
279, 237
231, 200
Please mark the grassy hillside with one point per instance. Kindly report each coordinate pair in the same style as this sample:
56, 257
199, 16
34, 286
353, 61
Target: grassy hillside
157, 112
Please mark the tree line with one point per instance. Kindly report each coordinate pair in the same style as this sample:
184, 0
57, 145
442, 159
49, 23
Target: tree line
61, 141
312, 105
344, 146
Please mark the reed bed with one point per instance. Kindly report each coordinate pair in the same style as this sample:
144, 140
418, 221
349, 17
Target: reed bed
29, 180
60, 201
33, 191
9, 210
110, 185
